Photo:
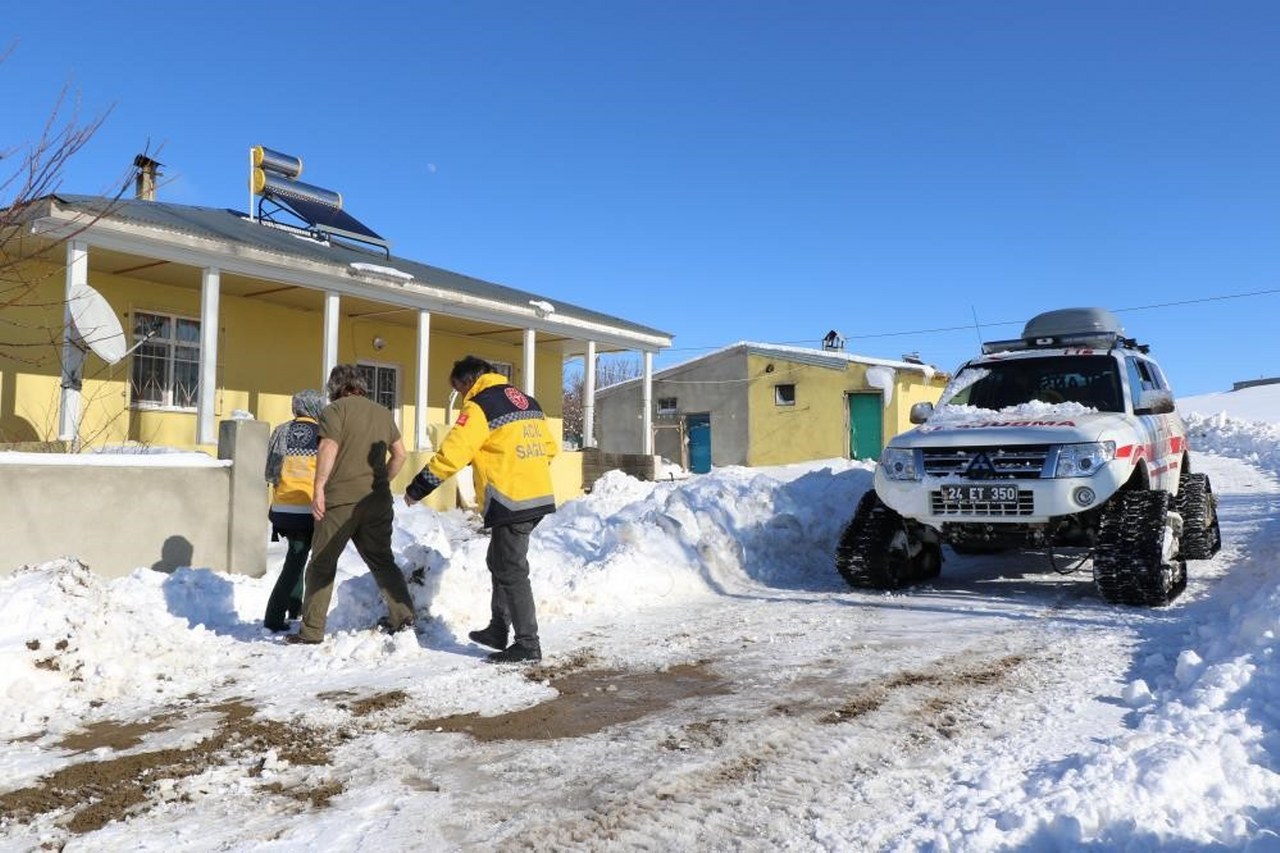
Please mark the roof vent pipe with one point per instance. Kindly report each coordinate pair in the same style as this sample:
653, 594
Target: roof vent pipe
144, 187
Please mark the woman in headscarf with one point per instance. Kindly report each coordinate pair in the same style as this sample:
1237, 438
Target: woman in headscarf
291, 471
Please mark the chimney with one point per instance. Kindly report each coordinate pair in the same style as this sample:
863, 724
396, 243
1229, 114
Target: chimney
145, 182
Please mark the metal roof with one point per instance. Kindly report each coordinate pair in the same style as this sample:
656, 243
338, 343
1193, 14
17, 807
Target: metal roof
235, 228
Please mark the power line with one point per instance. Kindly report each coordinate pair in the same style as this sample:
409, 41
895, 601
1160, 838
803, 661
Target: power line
940, 329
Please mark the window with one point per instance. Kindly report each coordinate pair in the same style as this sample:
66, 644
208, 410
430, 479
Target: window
383, 380
166, 363
1144, 377
1091, 380
667, 405
784, 395
503, 367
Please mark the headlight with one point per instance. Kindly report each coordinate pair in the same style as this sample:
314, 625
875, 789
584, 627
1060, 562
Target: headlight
1083, 460
899, 463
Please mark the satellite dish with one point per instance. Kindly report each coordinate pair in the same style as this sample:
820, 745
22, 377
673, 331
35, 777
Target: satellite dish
94, 324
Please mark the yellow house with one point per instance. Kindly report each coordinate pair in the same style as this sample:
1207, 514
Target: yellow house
146, 322
764, 404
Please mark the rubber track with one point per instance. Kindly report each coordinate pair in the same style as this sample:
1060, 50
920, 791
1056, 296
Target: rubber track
1127, 565
862, 555
1198, 507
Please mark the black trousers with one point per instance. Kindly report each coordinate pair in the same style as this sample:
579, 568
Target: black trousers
508, 560
286, 595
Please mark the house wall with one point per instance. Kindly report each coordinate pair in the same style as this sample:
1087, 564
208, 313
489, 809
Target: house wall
747, 426
710, 386
812, 428
266, 353
911, 389
817, 426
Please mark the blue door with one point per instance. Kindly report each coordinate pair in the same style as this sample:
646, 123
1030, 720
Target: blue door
698, 432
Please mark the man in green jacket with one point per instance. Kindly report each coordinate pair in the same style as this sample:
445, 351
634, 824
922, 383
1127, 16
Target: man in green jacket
360, 452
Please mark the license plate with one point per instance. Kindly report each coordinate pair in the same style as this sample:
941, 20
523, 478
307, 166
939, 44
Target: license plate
980, 494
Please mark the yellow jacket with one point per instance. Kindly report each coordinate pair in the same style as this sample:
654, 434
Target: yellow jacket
291, 464
503, 434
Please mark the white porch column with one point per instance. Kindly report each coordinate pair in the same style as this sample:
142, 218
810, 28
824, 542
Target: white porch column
422, 439
210, 291
72, 354
331, 318
589, 397
647, 402
529, 340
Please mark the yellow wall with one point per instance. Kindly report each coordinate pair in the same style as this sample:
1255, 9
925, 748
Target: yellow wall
31, 365
266, 353
817, 426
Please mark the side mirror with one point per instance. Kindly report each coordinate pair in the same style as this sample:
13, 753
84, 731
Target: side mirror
1154, 403
920, 412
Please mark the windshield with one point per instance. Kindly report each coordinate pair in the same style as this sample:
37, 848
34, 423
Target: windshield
1091, 380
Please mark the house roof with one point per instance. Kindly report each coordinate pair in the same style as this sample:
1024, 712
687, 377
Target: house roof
234, 230
831, 359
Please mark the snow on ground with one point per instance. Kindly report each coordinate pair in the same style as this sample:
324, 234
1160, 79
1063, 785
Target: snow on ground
725, 690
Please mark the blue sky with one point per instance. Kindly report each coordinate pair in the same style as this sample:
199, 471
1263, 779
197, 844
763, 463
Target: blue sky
732, 171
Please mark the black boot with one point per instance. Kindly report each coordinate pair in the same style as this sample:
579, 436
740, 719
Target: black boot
494, 636
517, 652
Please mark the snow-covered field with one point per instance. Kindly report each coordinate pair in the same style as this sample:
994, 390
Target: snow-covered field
710, 683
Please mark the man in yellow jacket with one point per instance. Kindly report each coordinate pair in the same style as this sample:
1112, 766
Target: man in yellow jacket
503, 434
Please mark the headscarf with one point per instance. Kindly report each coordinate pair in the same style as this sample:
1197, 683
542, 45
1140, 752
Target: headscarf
306, 404
309, 404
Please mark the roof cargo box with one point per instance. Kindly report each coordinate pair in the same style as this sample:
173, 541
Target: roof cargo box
1072, 321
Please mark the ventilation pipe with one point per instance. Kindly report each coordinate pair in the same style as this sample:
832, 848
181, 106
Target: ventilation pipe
144, 188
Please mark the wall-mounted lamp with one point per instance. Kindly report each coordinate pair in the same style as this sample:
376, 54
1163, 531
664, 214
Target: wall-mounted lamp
378, 342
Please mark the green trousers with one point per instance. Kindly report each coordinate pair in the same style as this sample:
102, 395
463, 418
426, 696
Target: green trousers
367, 525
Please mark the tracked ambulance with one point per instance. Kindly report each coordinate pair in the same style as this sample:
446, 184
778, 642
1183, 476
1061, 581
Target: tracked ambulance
1065, 438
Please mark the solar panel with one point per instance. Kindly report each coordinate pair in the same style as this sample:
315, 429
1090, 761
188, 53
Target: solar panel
327, 220
274, 178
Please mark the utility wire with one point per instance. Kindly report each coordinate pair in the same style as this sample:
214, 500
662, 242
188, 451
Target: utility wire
938, 329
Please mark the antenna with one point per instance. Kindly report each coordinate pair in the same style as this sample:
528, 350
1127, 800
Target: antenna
94, 325
977, 328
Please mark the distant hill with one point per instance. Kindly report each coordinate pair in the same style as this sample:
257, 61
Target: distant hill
1259, 403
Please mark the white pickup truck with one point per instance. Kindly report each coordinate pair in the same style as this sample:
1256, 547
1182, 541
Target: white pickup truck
1065, 437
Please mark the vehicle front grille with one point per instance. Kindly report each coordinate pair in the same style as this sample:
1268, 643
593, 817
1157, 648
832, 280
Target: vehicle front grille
1025, 505
1008, 463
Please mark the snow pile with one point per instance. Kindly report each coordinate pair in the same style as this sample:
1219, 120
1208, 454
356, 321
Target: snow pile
952, 415
1255, 441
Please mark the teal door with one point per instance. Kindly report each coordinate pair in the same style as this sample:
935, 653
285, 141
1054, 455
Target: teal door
866, 431
698, 432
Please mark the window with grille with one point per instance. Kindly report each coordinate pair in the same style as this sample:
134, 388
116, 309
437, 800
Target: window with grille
166, 363
503, 367
667, 405
383, 380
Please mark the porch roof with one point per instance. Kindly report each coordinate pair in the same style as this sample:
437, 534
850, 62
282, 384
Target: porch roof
230, 239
